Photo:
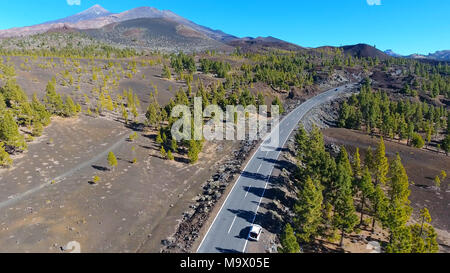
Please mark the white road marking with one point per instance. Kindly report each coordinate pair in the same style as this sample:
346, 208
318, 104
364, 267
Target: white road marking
259, 204
259, 168
249, 188
232, 224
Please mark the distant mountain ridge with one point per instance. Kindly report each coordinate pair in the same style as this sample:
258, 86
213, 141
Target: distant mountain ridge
391, 53
443, 55
97, 17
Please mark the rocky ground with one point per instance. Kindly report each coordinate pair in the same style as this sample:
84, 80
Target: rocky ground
214, 188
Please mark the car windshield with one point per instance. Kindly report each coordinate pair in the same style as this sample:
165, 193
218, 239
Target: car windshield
253, 235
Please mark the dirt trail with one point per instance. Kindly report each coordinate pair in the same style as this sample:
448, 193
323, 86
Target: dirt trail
16, 198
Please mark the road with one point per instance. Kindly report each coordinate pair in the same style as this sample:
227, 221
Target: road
229, 230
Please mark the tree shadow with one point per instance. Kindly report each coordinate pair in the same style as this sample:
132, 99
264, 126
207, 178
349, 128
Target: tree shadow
255, 176
243, 234
135, 126
231, 251
145, 147
280, 164
255, 191
182, 160
100, 168
244, 214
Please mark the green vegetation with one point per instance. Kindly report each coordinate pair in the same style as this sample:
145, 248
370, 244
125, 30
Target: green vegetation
5, 159
96, 179
183, 62
71, 45
332, 190
219, 68
289, 241
112, 160
376, 113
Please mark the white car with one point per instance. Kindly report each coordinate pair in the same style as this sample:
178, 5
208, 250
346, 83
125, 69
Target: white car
255, 233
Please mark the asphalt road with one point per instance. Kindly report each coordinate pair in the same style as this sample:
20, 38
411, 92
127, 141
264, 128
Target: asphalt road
229, 230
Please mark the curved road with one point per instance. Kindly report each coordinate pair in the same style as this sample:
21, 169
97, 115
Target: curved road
229, 230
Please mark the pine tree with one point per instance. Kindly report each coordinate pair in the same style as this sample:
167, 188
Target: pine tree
53, 100
426, 218
167, 74
301, 141
5, 159
193, 151
399, 211
381, 163
37, 129
289, 241
437, 182
308, 210
2, 102
446, 144
174, 146
159, 139
380, 206
367, 189
152, 115
345, 218
9, 132
417, 241
70, 109
369, 160
42, 115
399, 182
278, 102
163, 153
443, 175
96, 179
417, 141
356, 164
431, 244
124, 114
112, 160
170, 155
401, 241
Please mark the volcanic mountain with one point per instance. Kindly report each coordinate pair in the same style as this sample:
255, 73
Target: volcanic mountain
97, 17
365, 51
360, 51
159, 34
92, 13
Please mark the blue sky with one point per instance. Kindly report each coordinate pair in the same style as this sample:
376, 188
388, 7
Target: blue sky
405, 26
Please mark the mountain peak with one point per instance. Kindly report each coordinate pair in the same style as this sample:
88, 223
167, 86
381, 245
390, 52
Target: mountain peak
93, 12
96, 9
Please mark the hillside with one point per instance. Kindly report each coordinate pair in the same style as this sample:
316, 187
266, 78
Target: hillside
365, 51
249, 44
157, 34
